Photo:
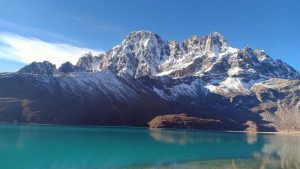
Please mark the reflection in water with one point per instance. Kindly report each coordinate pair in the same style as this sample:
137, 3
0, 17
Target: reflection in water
285, 149
277, 152
182, 137
251, 138
30, 147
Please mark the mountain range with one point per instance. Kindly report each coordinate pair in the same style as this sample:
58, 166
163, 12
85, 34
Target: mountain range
145, 81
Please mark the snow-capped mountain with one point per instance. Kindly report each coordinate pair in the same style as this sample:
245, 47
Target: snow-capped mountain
145, 76
223, 68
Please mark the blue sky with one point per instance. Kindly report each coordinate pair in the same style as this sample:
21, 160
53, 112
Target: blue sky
55, 30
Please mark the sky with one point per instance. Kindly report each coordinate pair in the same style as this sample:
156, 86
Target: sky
59, 31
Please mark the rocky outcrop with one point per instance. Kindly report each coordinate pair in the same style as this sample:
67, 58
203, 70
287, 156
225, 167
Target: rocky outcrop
42, 68
251, 127
279, 103
183, 121
89, 63
67, 67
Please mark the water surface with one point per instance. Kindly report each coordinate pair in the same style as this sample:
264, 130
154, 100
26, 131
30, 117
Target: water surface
66, 147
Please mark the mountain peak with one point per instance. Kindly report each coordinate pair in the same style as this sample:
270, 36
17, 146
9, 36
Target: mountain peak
216, 34
89, 63
215, 44
88, 54
145, 53
195, 37
142, 37
42, 68
143, 34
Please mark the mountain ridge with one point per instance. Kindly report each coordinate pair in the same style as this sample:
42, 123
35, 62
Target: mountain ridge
145, 77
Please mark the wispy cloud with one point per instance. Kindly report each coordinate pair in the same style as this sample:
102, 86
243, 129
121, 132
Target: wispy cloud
28, 30
28, 49
95, 24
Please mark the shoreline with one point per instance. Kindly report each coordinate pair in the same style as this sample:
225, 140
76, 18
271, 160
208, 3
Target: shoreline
283, 133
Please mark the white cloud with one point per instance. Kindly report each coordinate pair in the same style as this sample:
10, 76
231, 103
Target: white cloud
27, 49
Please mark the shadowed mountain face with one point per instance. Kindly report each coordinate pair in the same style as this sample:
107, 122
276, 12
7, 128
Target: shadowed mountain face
146, 77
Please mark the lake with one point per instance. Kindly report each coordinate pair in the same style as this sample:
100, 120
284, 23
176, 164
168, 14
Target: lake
74, 147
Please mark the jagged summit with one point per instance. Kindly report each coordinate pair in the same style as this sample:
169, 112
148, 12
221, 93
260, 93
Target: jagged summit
89, 63
216, 34
142, 36
215, 44
210, 56
43, 68
217, 37
142, 33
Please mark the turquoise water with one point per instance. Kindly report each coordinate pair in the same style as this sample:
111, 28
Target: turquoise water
66, 147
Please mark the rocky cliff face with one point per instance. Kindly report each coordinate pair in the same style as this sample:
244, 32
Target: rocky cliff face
40, 68
146, 76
